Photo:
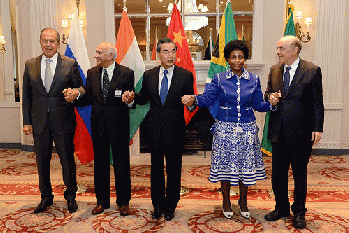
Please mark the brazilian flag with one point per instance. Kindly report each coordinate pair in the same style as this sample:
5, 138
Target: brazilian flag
290, 30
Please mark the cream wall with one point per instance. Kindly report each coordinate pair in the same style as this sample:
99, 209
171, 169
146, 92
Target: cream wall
344, 123
100, 27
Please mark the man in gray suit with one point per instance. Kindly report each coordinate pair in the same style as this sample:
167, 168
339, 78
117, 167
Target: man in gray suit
50, 116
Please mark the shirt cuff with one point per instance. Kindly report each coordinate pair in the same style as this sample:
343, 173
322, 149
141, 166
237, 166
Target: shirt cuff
131, 104
273, 108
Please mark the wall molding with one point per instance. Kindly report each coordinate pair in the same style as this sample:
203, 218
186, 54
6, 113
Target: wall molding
329, 152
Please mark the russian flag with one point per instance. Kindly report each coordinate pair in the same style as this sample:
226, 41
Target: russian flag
83, 137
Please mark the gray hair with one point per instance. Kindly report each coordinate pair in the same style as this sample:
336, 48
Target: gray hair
164, 41
111, 49
51, 29
293, 41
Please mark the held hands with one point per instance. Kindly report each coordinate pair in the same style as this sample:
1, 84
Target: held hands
188, 100
128, 97
274, 98
70, 94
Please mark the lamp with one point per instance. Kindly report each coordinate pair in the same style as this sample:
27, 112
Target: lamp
2, 45
299, 32
65, 24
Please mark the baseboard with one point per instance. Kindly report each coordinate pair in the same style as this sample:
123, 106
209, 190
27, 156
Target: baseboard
330, 151
30, 148
11, 145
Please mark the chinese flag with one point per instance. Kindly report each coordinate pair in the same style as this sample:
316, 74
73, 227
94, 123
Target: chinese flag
176, 34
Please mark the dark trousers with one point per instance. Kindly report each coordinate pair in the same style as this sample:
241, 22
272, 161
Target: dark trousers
297, 155
121, 161
162, 194
64, 143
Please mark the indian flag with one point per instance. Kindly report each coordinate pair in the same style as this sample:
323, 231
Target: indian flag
227, 33
289, 30
130, 56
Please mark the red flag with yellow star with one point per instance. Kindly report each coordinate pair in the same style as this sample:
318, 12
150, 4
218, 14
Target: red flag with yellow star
176, 34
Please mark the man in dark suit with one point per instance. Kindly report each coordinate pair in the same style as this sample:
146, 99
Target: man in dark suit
294, 127
164, 86
49, 116
110, 126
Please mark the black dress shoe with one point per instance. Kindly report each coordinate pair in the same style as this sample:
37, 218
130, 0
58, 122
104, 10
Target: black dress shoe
157, 213
276, 215
72, 206
299, 221
43, 205
169, 215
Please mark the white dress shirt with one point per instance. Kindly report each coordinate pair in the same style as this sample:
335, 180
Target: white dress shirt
169, 76
293, 69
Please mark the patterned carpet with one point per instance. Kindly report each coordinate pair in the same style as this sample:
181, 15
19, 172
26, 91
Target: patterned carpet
199, 209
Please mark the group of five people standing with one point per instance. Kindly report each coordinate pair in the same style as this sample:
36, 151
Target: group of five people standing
52, 87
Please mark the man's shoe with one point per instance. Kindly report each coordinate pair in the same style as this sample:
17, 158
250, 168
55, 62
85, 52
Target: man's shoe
72, 206
276, 215
299, 221
43, 205
98, 210
169, 215
157, 213
124, 210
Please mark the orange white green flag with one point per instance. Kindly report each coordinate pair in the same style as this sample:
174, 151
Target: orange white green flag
129, 55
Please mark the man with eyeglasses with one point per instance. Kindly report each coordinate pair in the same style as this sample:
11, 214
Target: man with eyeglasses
49, 116
165, 126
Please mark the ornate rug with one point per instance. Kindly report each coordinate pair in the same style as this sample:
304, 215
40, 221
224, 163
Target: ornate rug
199, 209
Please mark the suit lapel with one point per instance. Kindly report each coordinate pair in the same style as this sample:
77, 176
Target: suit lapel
297, 76
280, 79
115, 79
38, 73
97, 84
155, 83
58, 71
174, 82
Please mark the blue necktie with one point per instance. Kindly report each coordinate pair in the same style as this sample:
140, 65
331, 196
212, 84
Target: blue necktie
105, 86
287, 79
164, 87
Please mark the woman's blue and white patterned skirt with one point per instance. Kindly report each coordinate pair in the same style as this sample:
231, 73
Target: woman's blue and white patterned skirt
236, 153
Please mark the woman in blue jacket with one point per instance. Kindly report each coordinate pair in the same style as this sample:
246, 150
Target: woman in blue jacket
236, 153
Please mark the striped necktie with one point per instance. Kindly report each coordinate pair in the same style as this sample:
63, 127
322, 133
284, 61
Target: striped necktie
105, 84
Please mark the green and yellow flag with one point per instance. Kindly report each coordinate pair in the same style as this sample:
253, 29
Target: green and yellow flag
227, 33
289, 30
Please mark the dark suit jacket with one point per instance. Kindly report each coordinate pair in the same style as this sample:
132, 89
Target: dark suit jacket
301, 111
114, 114
166, 120
37, 102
